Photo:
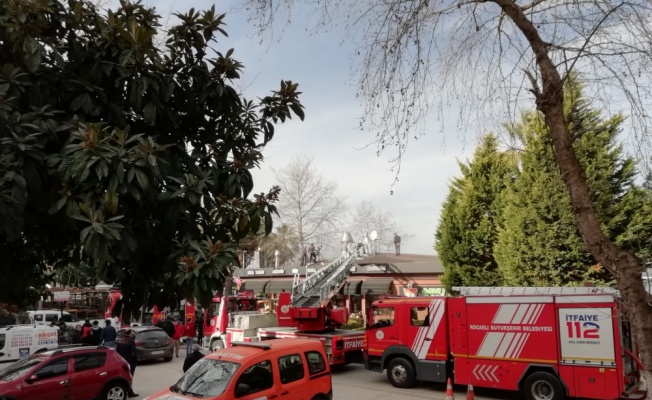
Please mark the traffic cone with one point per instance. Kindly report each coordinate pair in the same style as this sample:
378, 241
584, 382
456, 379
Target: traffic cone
449, 390
470, 395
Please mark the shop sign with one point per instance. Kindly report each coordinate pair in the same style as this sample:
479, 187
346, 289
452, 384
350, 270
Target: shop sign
311, 270
278, 271
432, 291
260, 272
376, 268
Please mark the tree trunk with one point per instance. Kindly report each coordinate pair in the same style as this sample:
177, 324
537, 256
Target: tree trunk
622, 264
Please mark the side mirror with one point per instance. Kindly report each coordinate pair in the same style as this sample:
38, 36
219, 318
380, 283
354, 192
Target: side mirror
242, 389
31, 379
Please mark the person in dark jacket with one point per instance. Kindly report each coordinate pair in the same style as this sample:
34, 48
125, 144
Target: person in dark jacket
109, 335
168, 327
75, 335
193, 357
199, 326
96, 334
126, 347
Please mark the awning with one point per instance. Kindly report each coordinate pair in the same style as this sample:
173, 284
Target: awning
376, 286
254, 285
279, 286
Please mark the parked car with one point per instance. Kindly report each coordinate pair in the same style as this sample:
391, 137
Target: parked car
151, 343
279, 368
84, 372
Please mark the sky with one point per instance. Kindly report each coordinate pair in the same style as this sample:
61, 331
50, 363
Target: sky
322, 65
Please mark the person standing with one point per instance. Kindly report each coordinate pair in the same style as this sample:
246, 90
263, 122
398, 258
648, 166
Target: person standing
87, 329
311, 252
75, 335
397, 244
96, 334
109, 335
178, 333
190, 336
168, 327
193, 357
199, 327
126, 347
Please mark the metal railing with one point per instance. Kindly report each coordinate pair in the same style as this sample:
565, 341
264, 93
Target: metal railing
325, 280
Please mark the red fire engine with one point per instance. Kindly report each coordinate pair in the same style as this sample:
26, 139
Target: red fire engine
548, 343
304, 313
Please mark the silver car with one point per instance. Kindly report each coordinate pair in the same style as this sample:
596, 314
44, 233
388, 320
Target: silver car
151, 343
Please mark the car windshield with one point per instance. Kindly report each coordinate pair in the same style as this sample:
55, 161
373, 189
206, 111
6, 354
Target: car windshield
206, 378
151, 335
18, 369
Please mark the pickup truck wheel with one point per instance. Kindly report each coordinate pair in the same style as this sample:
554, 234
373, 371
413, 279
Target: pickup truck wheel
217, 345
543, 386
400, 373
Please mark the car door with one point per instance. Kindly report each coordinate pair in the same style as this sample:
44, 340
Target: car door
51, 381
88, 376
292, 373
256, 382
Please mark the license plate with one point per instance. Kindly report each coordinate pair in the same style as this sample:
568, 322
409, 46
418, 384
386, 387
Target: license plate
158, 352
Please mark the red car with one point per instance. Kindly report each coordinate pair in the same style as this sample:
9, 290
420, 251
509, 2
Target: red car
78, 373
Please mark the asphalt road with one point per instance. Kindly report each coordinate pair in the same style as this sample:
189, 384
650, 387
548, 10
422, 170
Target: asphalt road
352, 382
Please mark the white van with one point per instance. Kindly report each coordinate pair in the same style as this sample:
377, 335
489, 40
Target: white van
19, 341
47, 317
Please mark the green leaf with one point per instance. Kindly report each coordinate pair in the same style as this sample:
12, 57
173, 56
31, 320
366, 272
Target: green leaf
268, 224
149, 113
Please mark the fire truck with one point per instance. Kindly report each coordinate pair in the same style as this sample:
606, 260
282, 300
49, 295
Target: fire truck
306, 312
547, 343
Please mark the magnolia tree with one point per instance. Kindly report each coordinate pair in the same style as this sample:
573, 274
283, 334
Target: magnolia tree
139, 155
489, 57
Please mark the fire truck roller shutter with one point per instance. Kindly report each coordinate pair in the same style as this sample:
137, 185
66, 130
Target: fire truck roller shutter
254, 285
376, 285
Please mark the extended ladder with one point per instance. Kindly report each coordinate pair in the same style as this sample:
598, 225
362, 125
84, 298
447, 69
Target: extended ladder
320, 286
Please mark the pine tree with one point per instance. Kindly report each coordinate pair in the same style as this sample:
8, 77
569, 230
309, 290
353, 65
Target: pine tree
538, 243
467, 230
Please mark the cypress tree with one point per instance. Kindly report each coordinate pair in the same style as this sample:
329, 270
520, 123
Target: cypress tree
467, 229
538, 243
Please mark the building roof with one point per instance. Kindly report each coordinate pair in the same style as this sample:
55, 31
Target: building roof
404, 264
379, 264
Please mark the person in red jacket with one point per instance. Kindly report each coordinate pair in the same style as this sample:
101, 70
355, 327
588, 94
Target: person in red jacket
179, 330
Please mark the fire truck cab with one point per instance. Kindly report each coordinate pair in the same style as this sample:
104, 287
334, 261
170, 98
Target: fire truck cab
547, 343
220, 316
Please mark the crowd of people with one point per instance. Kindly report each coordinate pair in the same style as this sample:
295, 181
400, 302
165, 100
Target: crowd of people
88, 333
92, 334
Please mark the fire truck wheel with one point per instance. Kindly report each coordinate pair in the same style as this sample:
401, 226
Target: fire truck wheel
543, 386
217, 345
400, 373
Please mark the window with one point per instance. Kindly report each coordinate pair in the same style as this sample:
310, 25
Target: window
69, 318
207, 378
2, 340
316, 363
154, 334
291, 368
51, 317
38, 317
55, 368
419, 316
84, 362
383, 317
255, 379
